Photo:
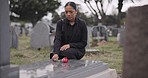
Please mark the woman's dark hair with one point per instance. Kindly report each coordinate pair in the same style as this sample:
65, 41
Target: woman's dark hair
72, 4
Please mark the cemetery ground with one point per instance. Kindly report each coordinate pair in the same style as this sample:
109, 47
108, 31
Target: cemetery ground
109, 52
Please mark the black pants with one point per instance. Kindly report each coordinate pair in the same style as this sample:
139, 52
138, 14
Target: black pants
70, 53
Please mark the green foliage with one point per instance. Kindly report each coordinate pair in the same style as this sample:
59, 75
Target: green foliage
55, 17
111, 20
89, 20
32, 10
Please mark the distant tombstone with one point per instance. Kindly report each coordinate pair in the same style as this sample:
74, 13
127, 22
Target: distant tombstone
40, 36
114, 32
17, 29
13, 38
121, 36
26, 29
30, 31
109, 31
51, 39
94, 32
21, 29
89, 37
100, 33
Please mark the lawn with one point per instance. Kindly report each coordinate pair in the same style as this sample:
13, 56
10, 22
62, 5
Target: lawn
24, 54
110, 53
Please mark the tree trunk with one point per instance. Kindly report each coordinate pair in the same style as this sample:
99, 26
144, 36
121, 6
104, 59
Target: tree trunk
33, 22
120, 4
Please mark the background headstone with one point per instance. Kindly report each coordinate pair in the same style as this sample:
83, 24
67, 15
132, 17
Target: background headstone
114, 32
28, 27
100, 33
4, 33
17, 29
121, 36
13, 38
89, 37
136, 44
40, 36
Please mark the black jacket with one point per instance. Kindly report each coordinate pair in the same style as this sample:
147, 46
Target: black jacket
75, 35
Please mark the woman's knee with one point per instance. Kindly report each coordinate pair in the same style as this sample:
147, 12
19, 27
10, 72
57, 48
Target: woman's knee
70, 53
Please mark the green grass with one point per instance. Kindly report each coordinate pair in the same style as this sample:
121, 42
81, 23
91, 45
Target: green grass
24, 54
109, 53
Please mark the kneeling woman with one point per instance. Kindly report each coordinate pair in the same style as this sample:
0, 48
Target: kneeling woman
71, 35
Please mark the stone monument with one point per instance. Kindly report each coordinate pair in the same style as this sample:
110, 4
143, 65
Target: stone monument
136, 43
40, 37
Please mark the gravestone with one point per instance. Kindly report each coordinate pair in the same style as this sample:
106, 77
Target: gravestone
4, 33
136, 43
16, 26
51, 39
17, 29
13, 38
52, 32
30, 31
114, 32
50, 69
40, 36
100, 33
72, 69
22, 29
95, 34
9, 71
121, 36
26, 30
88, 48
88, 37
5, 42
28, 27
109, 30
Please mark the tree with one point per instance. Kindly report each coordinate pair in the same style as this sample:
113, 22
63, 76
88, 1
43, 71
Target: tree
55, 17
89, 20
99, 12
32, 10
120, 5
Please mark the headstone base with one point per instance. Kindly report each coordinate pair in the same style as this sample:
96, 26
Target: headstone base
109, 73
9, 71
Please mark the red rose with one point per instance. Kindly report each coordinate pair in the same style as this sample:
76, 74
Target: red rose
65, 60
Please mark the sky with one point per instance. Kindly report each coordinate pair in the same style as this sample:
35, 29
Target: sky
112, 7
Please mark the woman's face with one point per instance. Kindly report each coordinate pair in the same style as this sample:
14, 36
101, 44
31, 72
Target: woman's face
70, 13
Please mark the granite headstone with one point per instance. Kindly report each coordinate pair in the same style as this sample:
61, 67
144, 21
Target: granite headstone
40, 36
13, 38
121, 36
72, 69
135, 64
100, 33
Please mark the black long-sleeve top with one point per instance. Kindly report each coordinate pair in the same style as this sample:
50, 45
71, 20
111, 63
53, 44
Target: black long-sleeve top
75, 36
